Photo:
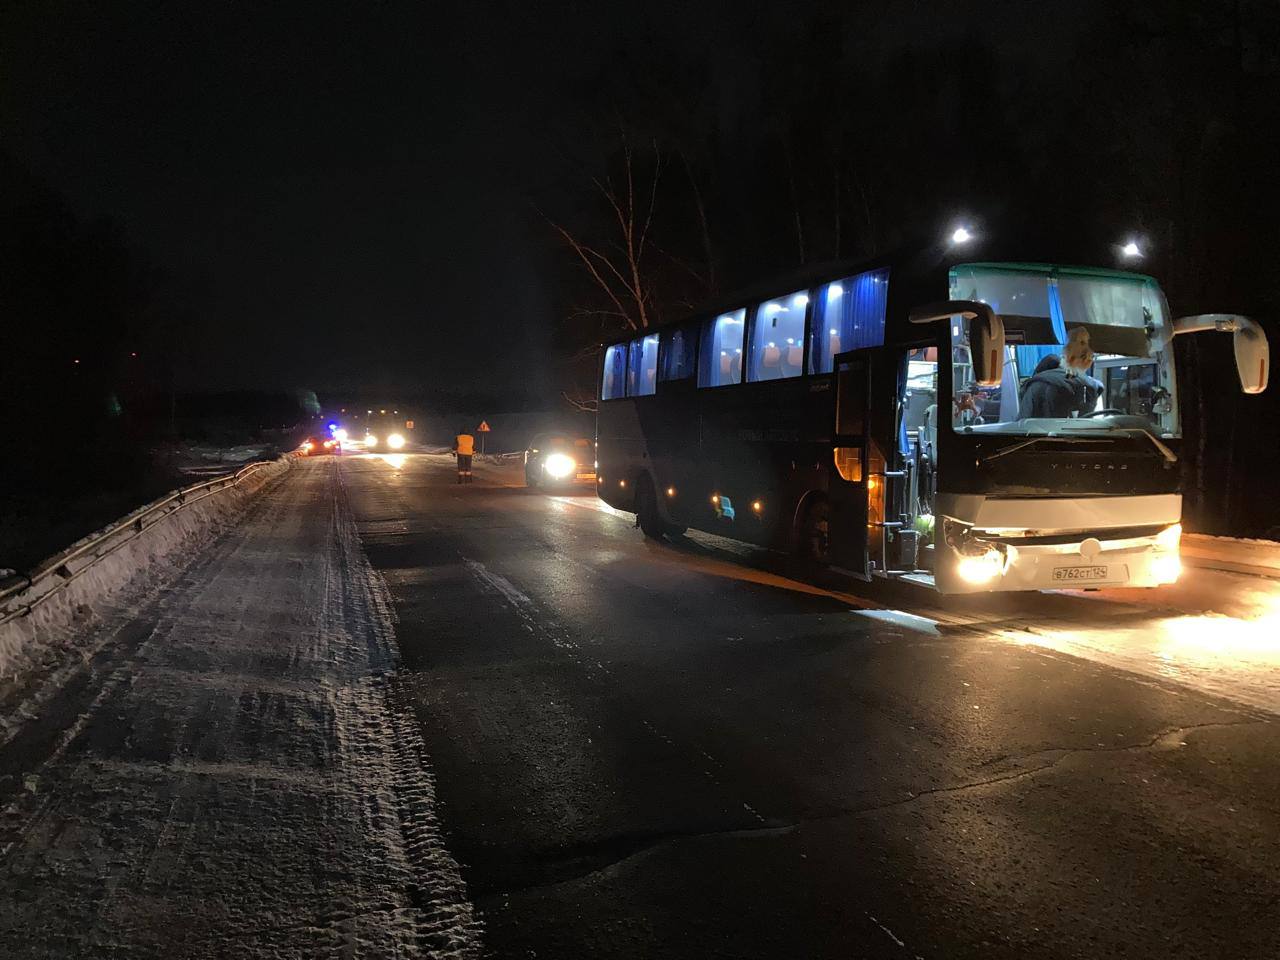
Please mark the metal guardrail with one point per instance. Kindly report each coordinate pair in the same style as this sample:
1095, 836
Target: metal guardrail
21, 594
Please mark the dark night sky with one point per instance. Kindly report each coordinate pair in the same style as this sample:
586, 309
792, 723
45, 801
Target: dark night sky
339, 198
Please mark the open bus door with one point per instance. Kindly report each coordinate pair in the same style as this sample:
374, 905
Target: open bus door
851, 441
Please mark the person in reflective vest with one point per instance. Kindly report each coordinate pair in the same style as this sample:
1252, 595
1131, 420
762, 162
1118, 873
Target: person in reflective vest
464, 445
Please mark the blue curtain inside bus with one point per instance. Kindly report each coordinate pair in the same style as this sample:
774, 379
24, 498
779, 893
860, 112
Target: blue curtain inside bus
613, 381
642, 368
848, 315
679, 346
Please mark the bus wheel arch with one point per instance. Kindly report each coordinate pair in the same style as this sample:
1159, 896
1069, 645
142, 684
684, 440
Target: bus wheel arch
648, 513
809, 528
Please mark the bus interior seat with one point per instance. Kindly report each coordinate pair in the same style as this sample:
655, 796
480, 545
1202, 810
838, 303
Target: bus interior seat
795, 359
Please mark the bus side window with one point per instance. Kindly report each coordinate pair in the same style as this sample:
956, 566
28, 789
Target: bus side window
847, 315
720, 362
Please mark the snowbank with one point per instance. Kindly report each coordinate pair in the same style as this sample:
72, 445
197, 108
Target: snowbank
40, 619
1258, 557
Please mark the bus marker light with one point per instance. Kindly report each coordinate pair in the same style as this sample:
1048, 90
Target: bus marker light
757, 506
622, 483
671, 491
715, 498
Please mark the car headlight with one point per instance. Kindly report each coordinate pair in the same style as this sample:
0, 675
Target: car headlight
559, 466
370, 440
395, 441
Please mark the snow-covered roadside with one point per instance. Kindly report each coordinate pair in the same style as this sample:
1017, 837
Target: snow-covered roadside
242, 780
58, 630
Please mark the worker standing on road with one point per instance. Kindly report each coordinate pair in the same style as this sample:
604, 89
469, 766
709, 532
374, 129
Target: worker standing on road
464, 445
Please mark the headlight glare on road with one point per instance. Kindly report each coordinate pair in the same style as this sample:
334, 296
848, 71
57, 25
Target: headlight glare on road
370, 440
559, 466
981, 568
395, 441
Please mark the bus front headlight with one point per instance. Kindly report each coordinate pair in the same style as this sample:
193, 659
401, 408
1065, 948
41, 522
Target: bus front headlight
370, 440
982, 568
1170, 537
395, 441
1166, 568
558, 466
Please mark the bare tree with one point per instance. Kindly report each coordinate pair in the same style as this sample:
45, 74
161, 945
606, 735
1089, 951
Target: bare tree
617, 267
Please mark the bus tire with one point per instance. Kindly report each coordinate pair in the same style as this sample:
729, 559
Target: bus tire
812, 544
647, 515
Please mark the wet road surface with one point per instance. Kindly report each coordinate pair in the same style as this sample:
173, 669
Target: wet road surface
649, 750
384, 715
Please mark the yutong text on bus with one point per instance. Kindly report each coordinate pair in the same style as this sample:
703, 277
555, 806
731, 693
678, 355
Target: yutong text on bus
969, 423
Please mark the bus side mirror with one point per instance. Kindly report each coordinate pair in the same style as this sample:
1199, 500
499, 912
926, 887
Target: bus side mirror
1253, 351
986, 335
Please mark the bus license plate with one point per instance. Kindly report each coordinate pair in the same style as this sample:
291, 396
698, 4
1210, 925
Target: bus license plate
1079, 573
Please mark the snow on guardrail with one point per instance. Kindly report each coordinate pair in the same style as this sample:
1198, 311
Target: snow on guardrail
39, 609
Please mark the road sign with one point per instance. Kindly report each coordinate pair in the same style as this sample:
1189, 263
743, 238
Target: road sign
483, 428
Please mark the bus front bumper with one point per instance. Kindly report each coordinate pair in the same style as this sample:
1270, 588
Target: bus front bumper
1001, 565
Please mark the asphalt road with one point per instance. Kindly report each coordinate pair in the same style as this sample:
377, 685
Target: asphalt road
658, 750
382, 715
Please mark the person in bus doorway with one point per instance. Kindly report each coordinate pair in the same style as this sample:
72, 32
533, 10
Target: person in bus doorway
464, 446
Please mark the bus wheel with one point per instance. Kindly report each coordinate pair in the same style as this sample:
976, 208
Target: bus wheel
647, 510
812, 543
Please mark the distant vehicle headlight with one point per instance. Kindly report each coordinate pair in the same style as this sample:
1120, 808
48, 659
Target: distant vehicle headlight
395, 441
559, 466
370, 440
340, 435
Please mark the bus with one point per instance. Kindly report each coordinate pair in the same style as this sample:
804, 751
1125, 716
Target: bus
878, 418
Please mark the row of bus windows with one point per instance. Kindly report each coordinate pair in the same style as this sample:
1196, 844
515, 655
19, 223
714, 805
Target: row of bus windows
725, 349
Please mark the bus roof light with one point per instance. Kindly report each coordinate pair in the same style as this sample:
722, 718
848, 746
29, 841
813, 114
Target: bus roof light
1131, 250
961, 234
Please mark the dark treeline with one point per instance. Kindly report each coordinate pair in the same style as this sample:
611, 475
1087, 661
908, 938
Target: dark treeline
91, 343
815, 136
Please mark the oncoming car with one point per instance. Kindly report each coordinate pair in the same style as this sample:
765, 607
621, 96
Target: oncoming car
316, 446
558, 460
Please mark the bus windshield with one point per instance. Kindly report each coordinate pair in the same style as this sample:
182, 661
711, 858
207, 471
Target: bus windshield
1087, 352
